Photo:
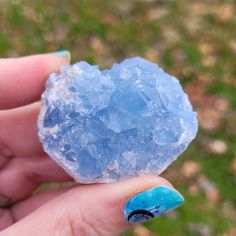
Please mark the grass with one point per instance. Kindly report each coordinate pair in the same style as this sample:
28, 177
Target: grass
193, 40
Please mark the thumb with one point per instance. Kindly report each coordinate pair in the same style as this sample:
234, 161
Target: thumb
100, 209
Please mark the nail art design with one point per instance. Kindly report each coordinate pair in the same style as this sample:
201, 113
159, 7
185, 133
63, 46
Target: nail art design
152, 203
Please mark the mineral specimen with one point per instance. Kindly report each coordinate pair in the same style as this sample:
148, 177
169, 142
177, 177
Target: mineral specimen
107, 125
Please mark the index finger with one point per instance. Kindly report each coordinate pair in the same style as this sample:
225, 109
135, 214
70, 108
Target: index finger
22, 79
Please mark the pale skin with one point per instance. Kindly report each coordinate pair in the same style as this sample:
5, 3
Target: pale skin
95, 209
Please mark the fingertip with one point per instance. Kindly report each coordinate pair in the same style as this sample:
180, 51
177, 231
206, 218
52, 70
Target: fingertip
64, 54
151, 203
144, 198
51, 62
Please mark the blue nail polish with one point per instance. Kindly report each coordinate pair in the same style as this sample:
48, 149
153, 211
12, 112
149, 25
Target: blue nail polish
61, 52
152, 203
64, 53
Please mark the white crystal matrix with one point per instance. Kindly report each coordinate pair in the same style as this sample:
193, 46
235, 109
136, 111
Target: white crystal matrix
106, 125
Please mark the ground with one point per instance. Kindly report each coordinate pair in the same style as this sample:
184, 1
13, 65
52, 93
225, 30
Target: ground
193, 40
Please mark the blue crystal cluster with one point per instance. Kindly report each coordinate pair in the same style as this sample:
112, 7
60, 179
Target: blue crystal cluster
107, 125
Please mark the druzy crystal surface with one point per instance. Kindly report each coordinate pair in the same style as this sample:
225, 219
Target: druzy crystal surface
107, 125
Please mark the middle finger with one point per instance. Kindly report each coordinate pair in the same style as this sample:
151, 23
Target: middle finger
18, 130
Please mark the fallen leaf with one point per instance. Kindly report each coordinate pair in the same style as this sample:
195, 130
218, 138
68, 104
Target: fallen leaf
210, 119
232, 45
198, 8
213, 196
209, 60
97, 45
170, 35
206, 48
152, 54
156, 13
216, 146
141, 230
200, 229
205, 79
209, 188
231, 232
193, 190
32, 15
190, 168
225, 12
193, 26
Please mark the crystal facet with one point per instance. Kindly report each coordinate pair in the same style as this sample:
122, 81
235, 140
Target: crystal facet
107, 125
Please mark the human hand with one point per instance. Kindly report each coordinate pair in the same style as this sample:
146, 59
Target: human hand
96, 209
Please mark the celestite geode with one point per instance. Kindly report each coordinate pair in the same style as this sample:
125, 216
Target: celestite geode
107, 125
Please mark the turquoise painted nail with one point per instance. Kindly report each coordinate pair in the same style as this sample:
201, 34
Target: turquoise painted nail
152, 203
64, 53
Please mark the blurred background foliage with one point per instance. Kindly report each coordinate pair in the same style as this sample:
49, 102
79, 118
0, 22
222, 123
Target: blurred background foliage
193, 40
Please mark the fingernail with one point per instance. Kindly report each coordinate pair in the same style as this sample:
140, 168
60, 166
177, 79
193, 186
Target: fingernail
152, 203
64, 53
4, 201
